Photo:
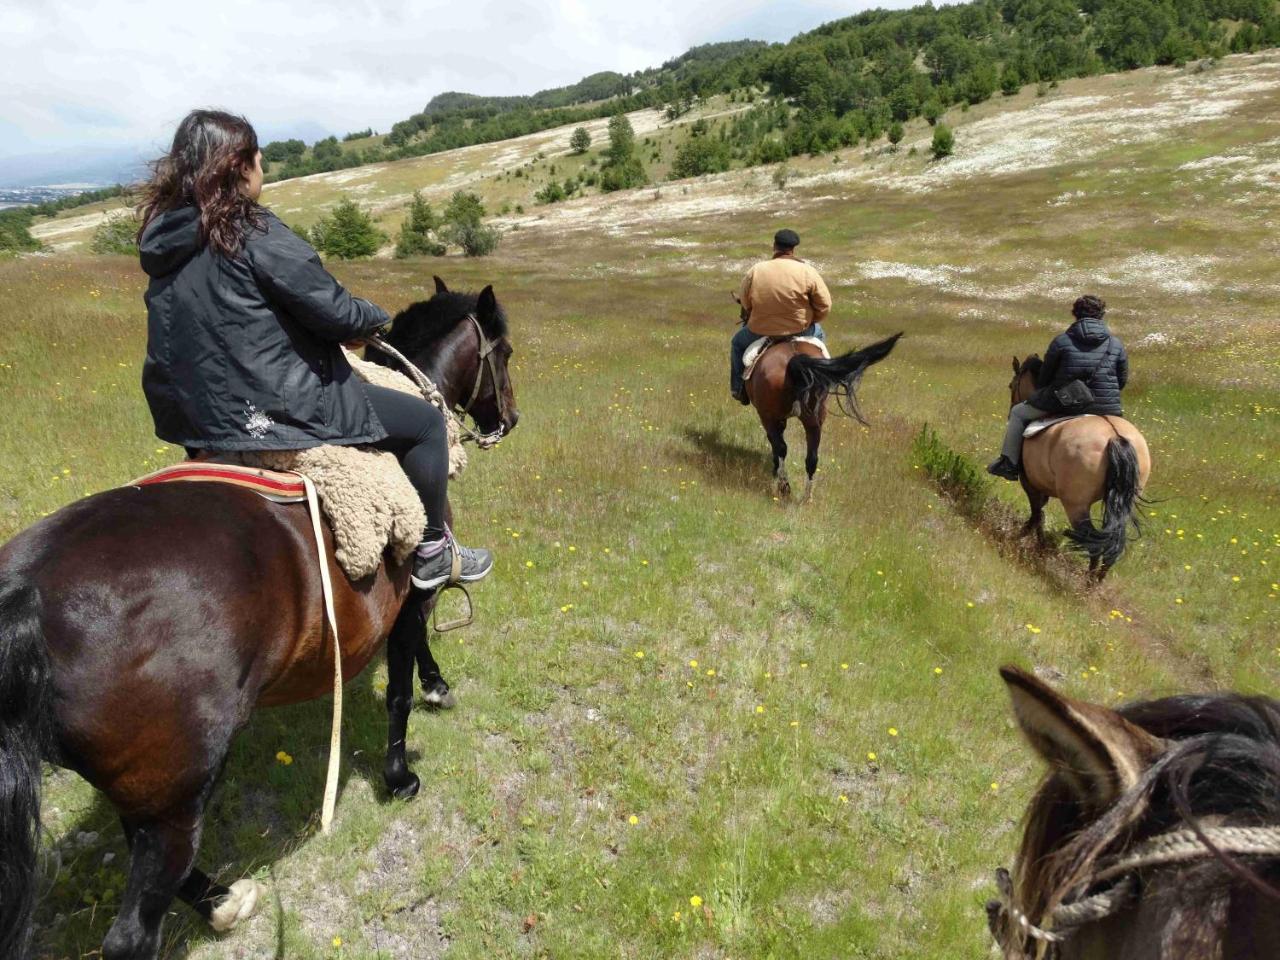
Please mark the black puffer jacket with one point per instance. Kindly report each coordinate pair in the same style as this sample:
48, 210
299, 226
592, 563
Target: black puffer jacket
242, 354
1086, 346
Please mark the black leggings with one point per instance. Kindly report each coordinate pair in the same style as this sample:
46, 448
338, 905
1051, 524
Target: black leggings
416, 435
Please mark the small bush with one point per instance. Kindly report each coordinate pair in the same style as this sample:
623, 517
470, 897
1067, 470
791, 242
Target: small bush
476, 240
553, 192
580, 142
117, 235
956, 475
417, 234
781, 176
15, 235
347, 233
943, 141
895, 133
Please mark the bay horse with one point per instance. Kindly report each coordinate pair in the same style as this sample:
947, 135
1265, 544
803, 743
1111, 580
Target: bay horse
793, 379
1155, 834
140, 627
1081, 461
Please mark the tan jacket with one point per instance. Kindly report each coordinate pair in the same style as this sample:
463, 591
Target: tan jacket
784, 296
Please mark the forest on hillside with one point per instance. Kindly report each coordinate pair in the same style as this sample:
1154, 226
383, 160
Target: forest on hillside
848, 80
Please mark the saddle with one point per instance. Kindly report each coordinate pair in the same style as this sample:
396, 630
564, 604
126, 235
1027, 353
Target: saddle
758, 348
1036, 427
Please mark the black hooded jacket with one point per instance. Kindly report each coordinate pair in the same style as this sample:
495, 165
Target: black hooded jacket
243, 353
1086, 351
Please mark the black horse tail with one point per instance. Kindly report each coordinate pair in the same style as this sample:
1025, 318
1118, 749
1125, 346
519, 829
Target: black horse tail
25, 694
1120, 500
812, 378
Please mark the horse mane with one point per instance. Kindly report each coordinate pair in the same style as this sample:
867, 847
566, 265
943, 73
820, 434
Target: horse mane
1223, 762
422, 325
1032, 366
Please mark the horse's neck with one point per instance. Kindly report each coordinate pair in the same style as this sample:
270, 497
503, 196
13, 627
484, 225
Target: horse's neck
447, 365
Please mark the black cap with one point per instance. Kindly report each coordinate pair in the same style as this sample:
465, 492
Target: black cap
786, 239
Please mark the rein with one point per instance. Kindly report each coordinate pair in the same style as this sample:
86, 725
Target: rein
485, 441
1176, 846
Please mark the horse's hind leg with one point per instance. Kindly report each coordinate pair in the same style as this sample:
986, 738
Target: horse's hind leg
812, 437
406, 636
774, 431
161, 854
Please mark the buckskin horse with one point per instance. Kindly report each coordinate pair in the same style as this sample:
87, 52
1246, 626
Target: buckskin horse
141, 626
1081, 461
1155, 835
793, 379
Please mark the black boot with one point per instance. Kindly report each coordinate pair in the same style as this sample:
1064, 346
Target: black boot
1004, 468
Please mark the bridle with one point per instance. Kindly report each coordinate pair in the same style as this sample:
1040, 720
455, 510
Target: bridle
1006, 921
487, 348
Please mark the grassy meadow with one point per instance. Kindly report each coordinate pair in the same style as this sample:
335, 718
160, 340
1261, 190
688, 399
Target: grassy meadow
693, 721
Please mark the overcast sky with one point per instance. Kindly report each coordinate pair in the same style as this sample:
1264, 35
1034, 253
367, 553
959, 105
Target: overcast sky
112, 73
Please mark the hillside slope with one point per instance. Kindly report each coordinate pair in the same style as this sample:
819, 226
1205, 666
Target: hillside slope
676, 687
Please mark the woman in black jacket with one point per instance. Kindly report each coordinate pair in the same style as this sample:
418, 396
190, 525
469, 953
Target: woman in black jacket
244, 327
1087, 352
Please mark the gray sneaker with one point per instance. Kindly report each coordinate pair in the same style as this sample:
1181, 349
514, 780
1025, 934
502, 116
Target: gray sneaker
431, 572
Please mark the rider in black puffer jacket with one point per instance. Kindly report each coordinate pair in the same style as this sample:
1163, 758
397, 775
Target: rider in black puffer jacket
1086, 345
1087, 351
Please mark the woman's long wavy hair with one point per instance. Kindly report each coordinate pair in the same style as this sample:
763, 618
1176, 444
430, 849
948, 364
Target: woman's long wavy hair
205, 168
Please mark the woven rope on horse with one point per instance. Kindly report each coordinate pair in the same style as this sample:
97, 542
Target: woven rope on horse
1176, 846
456, 428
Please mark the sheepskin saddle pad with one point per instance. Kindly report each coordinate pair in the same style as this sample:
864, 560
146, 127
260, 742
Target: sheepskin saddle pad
758, 347
1036, 427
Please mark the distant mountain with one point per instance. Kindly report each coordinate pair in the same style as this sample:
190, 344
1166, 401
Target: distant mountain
80, 166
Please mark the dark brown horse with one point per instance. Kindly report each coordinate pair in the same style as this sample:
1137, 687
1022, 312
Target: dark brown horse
1080, 462
793, 379
140, 627
1155, 836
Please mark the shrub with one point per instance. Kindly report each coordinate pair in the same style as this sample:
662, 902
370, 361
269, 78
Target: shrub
476, 240
956, 475
699, 155
116, 235
943, 141
895, 133
551, 193
15, 237
580, 142
781, 176
463, 218
347, 233
931, 110
417, 234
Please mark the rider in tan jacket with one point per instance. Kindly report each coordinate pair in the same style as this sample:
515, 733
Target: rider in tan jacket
781, 297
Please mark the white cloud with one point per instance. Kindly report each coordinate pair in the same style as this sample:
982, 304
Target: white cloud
114, 72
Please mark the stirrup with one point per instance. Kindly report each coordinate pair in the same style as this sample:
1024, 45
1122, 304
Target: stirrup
453, 583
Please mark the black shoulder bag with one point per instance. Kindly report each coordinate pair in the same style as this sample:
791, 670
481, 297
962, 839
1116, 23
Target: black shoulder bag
1076, 395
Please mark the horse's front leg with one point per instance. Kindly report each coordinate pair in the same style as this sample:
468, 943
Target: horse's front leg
435, 690
405, 636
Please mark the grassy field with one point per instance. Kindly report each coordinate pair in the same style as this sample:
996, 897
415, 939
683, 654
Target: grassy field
695, 722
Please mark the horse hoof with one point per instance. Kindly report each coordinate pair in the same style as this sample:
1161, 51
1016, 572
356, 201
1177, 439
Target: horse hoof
240, 903
439, 696
409, 790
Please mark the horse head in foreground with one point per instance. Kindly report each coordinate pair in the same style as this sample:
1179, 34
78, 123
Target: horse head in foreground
792, 378
1080, 461
140, 627
1155, 835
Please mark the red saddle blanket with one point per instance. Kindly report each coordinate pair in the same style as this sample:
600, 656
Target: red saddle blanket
276, 486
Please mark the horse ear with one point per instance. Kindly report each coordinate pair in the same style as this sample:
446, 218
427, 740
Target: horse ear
440, 287
736, 298
487, 303
1017, 367
1098, 753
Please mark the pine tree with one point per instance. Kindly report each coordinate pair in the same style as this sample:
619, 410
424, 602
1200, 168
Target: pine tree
943, 141
580, 142
417, 235
348, 232
622, 168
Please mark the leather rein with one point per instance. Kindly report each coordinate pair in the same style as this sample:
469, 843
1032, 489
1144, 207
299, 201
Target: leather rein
486, 360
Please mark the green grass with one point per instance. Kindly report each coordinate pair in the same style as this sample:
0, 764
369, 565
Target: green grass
838, 775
